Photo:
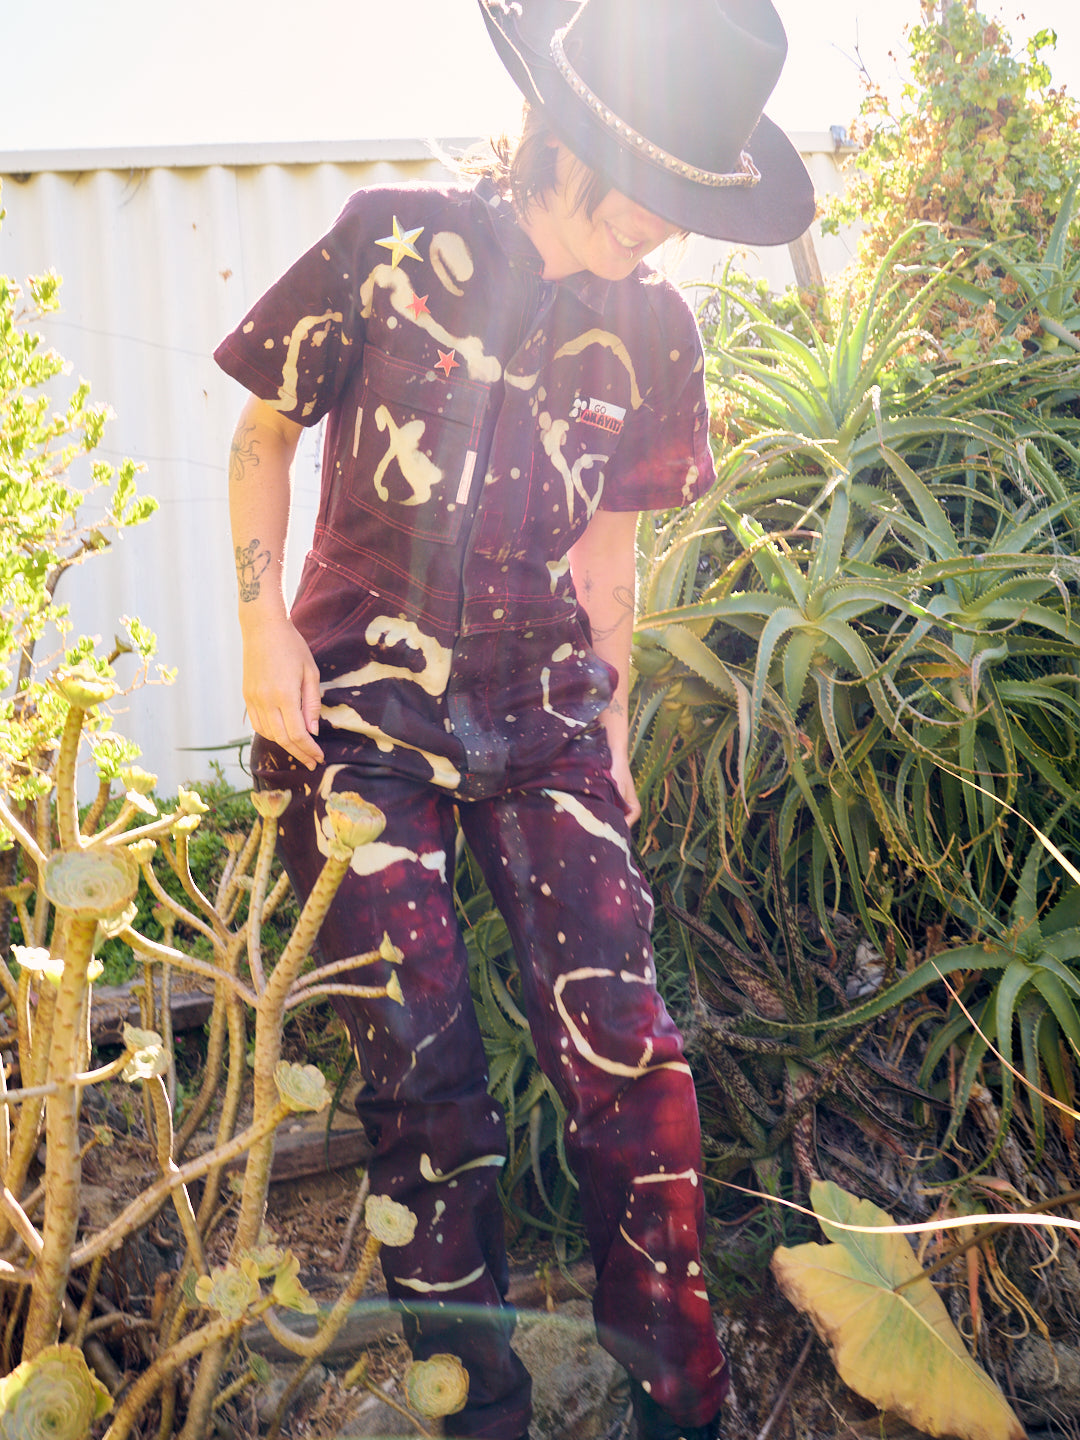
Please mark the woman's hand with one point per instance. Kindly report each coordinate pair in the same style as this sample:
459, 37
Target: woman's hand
281, 679
624, 783
281, 688
602, 563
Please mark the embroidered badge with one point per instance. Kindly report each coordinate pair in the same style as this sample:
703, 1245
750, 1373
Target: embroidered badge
446, 362
599, 413
401, 244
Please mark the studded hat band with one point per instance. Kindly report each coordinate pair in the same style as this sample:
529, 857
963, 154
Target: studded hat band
747, 176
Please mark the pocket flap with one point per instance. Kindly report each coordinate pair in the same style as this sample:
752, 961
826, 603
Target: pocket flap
404, 383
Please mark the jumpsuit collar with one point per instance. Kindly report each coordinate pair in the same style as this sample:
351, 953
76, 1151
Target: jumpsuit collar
591, 290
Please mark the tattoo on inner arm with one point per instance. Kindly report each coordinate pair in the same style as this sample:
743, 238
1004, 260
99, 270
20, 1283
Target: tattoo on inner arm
251, 564
243, 456
623, 596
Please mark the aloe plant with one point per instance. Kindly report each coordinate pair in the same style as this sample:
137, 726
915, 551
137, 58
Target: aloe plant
855, 658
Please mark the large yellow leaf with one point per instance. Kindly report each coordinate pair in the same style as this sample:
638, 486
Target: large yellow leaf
898, 1349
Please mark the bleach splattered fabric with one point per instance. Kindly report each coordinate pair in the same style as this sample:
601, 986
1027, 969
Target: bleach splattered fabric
477, 418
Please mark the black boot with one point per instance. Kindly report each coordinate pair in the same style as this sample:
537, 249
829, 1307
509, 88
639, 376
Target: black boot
656, 1424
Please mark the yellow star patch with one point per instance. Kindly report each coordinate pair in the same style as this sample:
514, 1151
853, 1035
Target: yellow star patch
401, 245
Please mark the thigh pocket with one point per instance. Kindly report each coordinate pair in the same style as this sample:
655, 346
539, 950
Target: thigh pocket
415, 444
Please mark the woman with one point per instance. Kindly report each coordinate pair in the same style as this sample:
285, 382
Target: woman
506, 387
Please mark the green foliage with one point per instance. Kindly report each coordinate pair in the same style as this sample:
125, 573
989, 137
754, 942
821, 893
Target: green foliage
857, 658
211, 853
47, 476
983, 148
887, 1328
981, 142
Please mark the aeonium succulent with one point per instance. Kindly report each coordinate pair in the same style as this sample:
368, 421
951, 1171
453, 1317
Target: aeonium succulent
231, 1290
55, 1395
389, 951
437, 1386
270, 804
91, 884
148, 1055
135, 778
301, 1087
109, 929
267, 1257
353, 821
190, 802
83, 686
288, 1290
49, 966
388, 1221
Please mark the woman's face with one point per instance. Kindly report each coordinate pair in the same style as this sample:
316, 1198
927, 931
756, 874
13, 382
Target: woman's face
609, 243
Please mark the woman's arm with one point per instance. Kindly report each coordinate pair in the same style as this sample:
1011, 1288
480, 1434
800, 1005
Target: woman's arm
602, 564
281, 679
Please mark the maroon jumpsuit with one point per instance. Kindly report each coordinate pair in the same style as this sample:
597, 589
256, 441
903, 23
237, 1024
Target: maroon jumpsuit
477, 417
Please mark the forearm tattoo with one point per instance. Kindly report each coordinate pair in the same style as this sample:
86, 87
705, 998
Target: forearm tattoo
243, 456
251, 564
623, 596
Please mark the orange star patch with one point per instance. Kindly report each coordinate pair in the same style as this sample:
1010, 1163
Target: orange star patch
419, 306
446, 363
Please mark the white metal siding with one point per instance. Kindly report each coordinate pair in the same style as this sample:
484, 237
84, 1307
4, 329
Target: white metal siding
158, 264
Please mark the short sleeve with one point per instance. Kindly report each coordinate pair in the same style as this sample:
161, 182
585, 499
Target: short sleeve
664, 460
297, 344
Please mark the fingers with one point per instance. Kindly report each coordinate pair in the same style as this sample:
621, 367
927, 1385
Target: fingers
281, 690
291, 727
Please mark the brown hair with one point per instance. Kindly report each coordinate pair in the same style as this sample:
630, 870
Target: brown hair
523, 167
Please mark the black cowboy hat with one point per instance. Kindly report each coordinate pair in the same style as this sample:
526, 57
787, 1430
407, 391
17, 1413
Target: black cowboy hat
663, 98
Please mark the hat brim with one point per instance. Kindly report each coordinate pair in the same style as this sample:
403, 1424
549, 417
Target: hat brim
775, 211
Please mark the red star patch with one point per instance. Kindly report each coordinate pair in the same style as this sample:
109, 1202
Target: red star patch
446, 363
419, 306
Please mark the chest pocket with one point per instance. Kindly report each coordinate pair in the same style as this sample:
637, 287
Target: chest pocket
415, 444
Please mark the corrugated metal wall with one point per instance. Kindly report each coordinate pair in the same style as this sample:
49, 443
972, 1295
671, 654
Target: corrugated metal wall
159, 260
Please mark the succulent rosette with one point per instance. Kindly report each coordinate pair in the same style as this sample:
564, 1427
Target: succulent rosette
140, 802
301, 1087
32, 957
394, 990
190, 802
91, 883
389, 951
52, 1397
437, 1386
83, 687
148, 1055
108, 929
135, 778
267, 1257
270, 804
287, 1288
50, 967
231, 1290
389, 1222
352, 820
142, 851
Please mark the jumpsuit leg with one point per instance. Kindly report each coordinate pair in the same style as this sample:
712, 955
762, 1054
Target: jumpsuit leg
559, 864
440, 1140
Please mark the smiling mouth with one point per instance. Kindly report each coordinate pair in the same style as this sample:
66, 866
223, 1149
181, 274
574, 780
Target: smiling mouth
625, 242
